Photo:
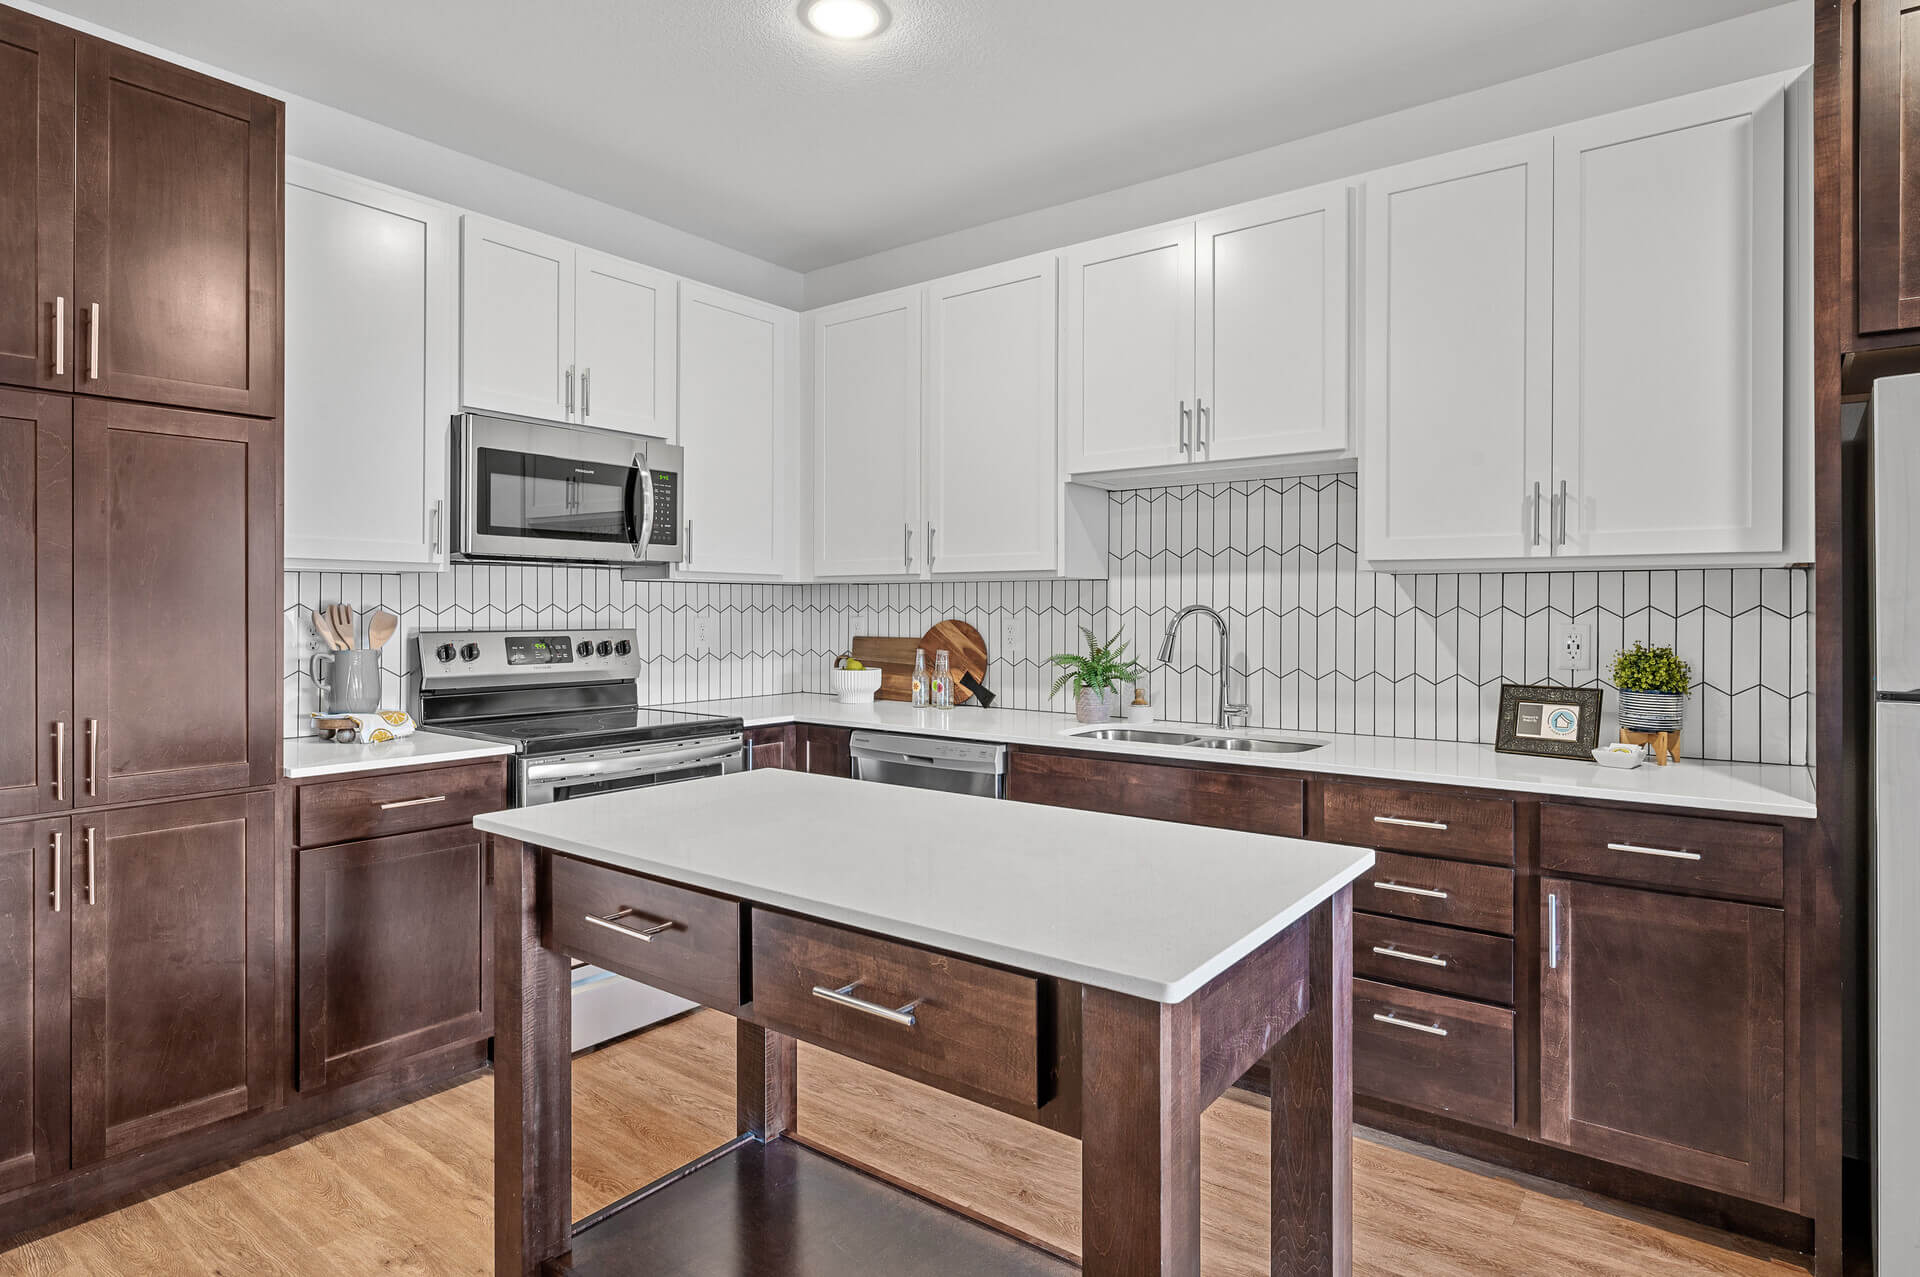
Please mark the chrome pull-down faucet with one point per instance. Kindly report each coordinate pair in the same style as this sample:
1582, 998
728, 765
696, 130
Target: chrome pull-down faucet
1228, 711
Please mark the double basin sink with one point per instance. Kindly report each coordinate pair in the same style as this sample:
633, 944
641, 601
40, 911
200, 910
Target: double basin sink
1195, 740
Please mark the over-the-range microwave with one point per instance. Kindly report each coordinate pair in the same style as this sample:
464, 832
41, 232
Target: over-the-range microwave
526, 490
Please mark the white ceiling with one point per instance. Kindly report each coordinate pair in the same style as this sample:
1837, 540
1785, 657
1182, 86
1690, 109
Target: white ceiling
727, 119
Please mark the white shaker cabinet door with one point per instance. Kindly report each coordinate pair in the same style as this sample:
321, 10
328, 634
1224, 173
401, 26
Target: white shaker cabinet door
867, 423
993, 476
1129, 350
1669, 246
1458, 390
371, 383
624, 345
516, 321
1271, 286
733, 365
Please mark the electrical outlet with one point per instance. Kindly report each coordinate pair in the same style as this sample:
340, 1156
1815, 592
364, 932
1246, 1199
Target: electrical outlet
1010, 640
1573, 646
702, 638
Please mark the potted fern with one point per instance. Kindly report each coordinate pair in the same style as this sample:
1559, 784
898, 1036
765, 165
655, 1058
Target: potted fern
1653, 684
1094, 675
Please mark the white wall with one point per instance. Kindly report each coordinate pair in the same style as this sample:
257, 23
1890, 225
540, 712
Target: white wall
355, 145
1777, 39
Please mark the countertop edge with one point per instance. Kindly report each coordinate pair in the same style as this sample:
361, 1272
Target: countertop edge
397, 755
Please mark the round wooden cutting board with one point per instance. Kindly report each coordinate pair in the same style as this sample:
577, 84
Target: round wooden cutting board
966, 653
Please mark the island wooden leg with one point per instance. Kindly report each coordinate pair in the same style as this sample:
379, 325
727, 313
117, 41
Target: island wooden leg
1139, 1137
765, 1067
1313, 1109
532, 1075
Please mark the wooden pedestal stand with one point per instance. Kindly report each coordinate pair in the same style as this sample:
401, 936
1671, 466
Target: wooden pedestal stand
1662, 747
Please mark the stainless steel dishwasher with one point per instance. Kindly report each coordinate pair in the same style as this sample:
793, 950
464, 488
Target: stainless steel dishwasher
926, 762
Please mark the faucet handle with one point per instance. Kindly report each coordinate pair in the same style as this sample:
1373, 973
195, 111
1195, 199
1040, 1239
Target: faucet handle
1231, 712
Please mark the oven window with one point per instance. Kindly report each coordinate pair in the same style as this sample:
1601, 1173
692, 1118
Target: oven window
563, 792
520, 494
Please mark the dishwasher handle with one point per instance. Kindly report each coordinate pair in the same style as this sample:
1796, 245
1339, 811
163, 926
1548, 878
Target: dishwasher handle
907, 751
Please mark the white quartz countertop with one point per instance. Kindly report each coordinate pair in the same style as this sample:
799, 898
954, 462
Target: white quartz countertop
316, 756
1750, 788
1142, 907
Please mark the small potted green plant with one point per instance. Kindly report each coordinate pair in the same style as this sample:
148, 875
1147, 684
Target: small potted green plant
1094, 675
1653, 684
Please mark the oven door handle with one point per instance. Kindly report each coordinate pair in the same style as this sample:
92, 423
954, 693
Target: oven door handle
633, 764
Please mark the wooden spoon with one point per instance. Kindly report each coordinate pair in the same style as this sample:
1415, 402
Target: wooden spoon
381, 628
342, 617
323, 626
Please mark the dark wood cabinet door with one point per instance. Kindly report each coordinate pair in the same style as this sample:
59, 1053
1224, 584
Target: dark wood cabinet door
35, 933
825, 751
396, 952
36, 202
173, 970
772, 747
176, 235
1252, 799
176, 602
1662, 1025
36, 622
1888, 244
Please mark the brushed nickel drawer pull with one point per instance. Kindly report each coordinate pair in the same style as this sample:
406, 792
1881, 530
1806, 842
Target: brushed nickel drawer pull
1402, 888
59, 336
611, 922
1653, 851
413, 802
60, 761
86, 837
1389, 951
93, 759
843, 997
93, 342
1386, 1017
58, 856
1411, 824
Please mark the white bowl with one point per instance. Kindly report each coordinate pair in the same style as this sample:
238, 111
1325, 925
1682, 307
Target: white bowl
855, 687
1620, 756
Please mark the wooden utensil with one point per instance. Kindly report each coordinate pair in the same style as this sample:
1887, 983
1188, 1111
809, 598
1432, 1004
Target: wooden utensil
381, 628
893, 657
342, 617
966, 654
323, 626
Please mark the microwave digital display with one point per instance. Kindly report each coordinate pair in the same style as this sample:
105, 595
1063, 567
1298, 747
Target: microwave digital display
666, 508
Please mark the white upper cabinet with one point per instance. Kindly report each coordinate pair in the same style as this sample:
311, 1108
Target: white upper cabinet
1668, 326
371, 375
867, 429
1455, 460
733, 397
993, 481
624, 345
1129, 350
516, 320
1271, 287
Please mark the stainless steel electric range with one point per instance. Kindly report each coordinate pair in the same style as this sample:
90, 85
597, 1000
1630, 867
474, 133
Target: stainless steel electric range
568, 703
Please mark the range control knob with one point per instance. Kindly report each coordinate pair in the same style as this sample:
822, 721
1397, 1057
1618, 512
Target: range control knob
605, 648
444, 652
584, 650
622, 648
471, 652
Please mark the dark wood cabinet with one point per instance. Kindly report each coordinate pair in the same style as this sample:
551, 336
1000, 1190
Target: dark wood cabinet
176, 246
176, 602
35, 934
36, 623
825, 751
1662, 1033
771, 747
1228, 798
1887, 274
36, 202
173, 970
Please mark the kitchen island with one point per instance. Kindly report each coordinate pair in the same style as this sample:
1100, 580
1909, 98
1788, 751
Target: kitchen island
1099, 975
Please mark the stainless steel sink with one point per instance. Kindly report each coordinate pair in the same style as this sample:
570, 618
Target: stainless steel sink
1257, 744
1140, 734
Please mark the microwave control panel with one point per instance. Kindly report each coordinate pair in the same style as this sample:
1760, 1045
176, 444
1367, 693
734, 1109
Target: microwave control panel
665, 529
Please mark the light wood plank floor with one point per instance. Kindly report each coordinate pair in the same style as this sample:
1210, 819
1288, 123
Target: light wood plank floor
409, 1190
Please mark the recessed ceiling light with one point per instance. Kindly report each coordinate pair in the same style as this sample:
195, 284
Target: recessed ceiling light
844, 19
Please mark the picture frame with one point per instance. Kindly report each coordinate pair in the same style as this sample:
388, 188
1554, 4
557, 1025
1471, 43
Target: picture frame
1546, 721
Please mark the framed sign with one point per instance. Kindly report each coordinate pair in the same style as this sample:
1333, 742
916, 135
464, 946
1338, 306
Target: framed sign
1554, 722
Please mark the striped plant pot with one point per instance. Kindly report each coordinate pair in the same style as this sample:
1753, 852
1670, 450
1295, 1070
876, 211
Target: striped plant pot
1652, 711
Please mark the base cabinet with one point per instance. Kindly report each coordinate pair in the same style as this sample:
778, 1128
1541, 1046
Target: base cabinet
825, 751
772, 747
35, 936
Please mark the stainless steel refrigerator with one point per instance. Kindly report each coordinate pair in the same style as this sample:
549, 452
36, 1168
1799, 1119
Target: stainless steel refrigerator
1894, 423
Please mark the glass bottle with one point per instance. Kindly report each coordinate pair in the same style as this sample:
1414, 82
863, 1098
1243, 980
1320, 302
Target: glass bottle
919, 680
942, 681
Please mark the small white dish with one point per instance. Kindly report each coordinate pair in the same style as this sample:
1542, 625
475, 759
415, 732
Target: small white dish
855, 687
1620, 756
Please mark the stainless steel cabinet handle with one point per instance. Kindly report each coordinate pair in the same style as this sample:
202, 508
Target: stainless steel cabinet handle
809, 766
569, 390
1402, 888
931, 533
906, 546
60, 760
1411, 824
93, 758
1203, 417
1553, 932
86, 840
413, 802
58, 856
1386, 1017
611, 922
1563, 513
843, 997
59, 336
586, 394
1390, 951
1536, 513
1653, 851
93, 342
1186, 422
437, 508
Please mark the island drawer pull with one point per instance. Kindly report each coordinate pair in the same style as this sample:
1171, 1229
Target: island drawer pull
1429, 892
611, 922
843, 997
413, 802
1653, 851
1387, 1017
1391, 951
1411, 824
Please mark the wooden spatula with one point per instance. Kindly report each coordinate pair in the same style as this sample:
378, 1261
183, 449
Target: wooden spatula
381, 628
342, 617
323, 626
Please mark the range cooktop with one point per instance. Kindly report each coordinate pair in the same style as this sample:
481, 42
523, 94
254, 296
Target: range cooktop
574, 730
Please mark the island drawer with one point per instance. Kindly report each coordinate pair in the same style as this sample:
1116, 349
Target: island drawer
373, 805
1452, 892
1444, 959
1427, 821
1433, 1052
1245, 798
1739, 858
941, 1019
673, 938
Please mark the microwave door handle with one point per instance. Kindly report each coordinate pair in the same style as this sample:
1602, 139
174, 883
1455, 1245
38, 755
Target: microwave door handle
639, 507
